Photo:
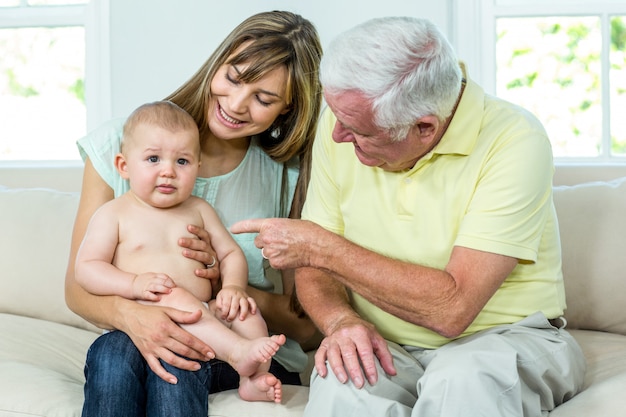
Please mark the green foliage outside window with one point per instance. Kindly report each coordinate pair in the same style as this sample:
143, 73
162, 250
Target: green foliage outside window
553, 67
42, 92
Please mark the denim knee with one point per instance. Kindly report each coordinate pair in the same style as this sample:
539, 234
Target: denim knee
114, 378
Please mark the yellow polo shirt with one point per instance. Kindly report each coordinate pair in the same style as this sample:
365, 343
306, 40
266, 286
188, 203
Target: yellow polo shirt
487, 186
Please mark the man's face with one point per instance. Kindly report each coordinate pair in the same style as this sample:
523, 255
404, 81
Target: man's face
373, 146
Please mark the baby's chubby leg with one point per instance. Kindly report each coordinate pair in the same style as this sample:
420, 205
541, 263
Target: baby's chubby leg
262, 385
243, 354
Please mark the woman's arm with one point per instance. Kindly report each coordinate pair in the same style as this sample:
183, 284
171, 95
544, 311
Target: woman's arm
95, 192
153, 330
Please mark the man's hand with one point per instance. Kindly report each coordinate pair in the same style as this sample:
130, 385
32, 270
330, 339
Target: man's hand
286, 243
351, 351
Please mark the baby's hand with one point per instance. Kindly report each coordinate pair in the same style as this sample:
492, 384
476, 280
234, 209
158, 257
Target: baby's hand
150, 285
232, 301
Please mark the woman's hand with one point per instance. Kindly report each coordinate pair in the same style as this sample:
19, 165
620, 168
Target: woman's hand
156, 333
201, 250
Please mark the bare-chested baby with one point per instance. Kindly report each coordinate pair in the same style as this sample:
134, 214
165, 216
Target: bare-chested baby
137, 233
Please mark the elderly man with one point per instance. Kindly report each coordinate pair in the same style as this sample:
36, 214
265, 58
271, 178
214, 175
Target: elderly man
428, 254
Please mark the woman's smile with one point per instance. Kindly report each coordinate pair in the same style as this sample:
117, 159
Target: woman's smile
225, 117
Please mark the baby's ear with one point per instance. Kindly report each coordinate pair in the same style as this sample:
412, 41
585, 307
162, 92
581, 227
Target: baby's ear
120, 165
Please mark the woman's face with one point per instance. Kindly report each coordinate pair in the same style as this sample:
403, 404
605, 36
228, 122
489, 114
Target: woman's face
238, 110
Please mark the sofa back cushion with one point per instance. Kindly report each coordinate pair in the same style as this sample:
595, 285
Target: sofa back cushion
36, 227
592, 223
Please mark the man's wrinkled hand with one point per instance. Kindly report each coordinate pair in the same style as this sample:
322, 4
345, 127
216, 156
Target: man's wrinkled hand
351, 351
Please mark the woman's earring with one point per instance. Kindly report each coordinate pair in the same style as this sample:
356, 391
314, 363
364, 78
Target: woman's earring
275, 132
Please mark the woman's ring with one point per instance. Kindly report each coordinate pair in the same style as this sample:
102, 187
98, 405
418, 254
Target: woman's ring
212, 264
263, 254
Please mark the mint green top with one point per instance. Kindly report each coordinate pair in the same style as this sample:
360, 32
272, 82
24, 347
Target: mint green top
487, 185
252, 190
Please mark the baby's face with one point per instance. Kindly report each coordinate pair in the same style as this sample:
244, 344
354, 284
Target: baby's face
162, 165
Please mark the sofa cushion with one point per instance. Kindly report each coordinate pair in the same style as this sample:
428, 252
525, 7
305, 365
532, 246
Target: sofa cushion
605, 380
38, 392
592, 224
46, 217
41, 367
228, 404
605, 356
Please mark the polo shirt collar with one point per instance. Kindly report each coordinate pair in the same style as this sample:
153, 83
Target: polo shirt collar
462, 133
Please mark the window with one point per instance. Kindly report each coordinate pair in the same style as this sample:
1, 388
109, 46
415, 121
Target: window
565, 61
42, 73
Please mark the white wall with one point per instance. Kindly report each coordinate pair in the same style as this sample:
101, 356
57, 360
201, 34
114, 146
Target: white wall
146, 48
156, 45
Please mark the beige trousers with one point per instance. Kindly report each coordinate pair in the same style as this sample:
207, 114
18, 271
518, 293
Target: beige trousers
520, 370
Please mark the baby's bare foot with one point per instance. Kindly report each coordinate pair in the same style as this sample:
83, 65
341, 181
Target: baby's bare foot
247, 355
261, 387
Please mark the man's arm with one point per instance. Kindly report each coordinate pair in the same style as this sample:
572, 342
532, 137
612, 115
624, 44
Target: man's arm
445, 301
352, 345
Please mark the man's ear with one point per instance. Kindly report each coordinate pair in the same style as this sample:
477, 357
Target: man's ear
120, 165
426, 128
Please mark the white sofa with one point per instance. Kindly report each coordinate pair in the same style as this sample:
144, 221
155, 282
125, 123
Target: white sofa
43, 344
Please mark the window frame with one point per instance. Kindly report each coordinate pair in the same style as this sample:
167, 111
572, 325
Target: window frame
42, 16
94, 16
478, 17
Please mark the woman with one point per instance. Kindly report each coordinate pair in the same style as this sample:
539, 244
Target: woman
256, 101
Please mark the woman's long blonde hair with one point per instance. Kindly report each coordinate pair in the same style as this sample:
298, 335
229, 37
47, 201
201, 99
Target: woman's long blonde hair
274, 38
